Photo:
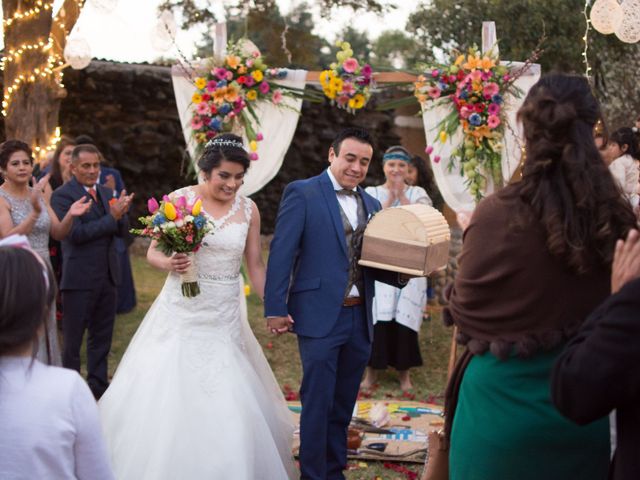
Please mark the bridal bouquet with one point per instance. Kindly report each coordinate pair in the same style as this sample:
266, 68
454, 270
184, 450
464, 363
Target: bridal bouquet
179, 227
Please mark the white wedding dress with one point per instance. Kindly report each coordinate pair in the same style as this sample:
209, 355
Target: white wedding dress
193, 397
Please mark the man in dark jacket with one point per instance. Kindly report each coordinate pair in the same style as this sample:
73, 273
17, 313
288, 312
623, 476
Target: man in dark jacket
90, 271
599, 371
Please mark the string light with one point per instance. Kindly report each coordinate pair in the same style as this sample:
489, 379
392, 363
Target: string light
585, 39
40, 5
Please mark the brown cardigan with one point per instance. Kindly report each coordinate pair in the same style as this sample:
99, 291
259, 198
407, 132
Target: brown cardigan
510, 293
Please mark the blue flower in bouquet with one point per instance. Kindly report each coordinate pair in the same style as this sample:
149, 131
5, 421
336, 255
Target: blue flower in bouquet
221, 83
215, 124
159, 219
497, 98
224, 108
199, 221
475, 119
464, 94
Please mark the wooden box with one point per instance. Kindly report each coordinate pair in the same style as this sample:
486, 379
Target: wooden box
411, 239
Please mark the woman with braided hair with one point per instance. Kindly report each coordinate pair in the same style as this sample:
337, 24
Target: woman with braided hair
536, 260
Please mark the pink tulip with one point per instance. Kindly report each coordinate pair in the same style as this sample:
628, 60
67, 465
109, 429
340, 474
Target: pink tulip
181, 202
259, 137
165, 198
152, 205
428, 150
253, 156
436, 159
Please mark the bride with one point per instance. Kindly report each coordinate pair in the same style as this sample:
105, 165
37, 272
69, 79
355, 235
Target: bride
193, 396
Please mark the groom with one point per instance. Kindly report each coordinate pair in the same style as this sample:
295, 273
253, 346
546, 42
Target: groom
316, 288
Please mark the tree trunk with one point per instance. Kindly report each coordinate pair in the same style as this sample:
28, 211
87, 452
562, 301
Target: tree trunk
33, 105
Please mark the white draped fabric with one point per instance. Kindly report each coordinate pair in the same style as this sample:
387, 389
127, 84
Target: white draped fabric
450, 182
277, 125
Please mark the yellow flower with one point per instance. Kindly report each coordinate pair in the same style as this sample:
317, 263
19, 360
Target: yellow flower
357, 101
443, 136
487, 64
169, 211
233, 61
329, 92
336, 84
196, 98
231, 94
252, 95
247, 290
197, 207
459, 60
201, 137
200, 83
325, 77
257, 75
253, 145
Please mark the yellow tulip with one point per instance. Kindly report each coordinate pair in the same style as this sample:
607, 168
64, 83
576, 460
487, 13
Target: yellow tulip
257, 75
197, 207
247, 290
170, 211
253, 145
443, 136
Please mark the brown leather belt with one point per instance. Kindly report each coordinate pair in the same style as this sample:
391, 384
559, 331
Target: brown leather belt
352, 301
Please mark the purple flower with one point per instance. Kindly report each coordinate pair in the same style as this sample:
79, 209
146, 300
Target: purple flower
264, 88
494, 109
366, 70
475, 119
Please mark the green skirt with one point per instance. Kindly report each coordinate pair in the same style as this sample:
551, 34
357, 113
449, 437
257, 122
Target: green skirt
505, 426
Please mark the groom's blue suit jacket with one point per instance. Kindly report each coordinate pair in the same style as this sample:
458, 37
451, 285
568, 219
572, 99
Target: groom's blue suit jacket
308, 265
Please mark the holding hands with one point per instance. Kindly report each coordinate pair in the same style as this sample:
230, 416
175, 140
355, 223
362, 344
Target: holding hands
279, 325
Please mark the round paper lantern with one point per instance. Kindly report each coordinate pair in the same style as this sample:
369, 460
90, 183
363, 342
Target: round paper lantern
104, 6
629, 28
77, 53
606, 15
164, 32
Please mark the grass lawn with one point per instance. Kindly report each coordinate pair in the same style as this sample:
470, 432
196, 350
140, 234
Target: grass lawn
282, 354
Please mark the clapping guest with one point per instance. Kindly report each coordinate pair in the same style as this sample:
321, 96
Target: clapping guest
112, 178
50, 426
597, 372
60, 167
535, 261
397, 313
24, 210
90, 273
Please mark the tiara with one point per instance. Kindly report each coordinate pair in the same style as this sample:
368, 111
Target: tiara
219, 142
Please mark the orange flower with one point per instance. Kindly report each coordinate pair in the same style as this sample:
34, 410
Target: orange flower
219, 94
481, 132
233, 61
473, 62
487, 64
242, 69
232, 94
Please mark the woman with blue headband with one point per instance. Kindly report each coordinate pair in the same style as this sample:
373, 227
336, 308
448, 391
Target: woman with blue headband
397, 313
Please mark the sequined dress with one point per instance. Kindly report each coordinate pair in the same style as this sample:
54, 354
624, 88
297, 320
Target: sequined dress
48, 348
193, 396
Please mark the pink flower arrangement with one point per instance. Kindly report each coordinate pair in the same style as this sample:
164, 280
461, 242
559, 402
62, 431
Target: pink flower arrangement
474, 85
350, 65
223, 96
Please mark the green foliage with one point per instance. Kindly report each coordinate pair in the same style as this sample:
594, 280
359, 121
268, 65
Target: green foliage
396, 49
